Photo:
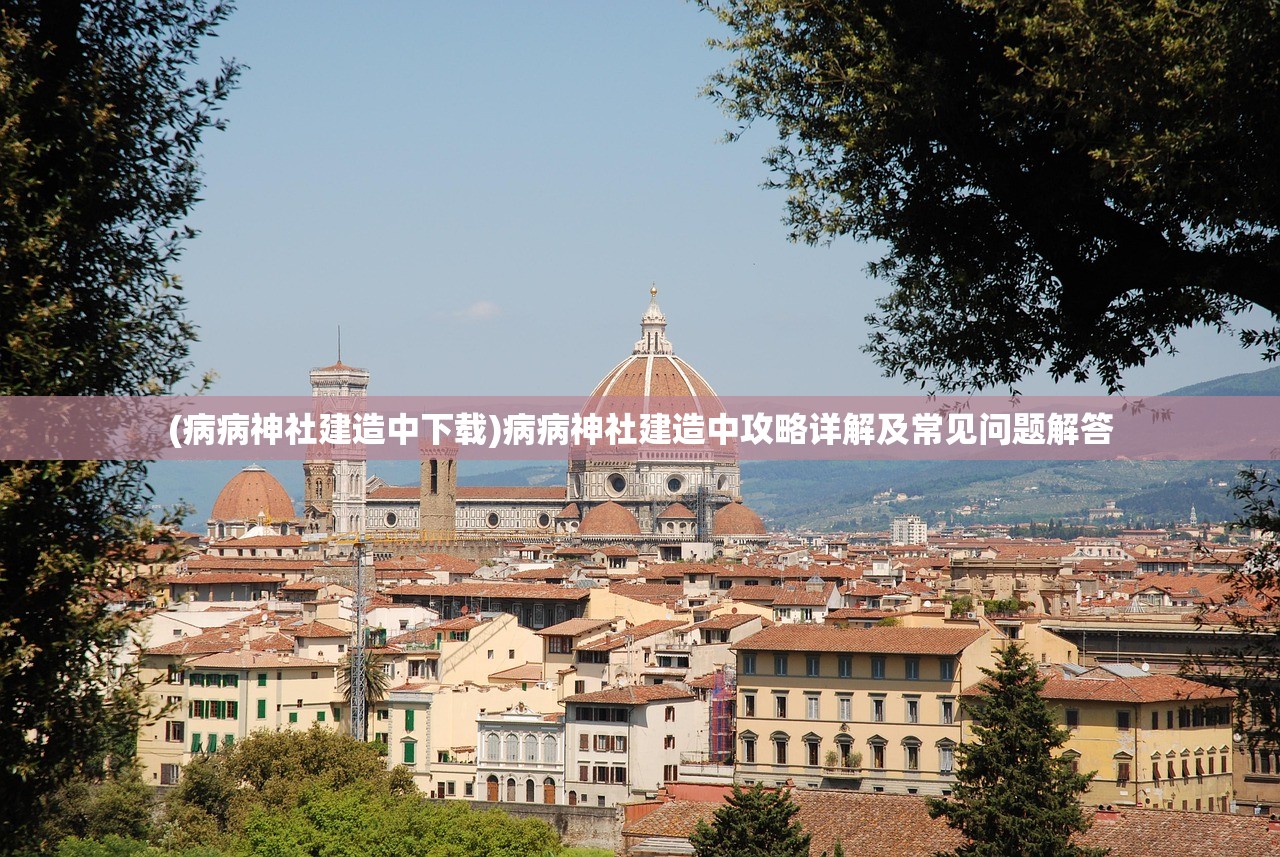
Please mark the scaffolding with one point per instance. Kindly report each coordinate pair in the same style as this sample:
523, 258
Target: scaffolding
723, 715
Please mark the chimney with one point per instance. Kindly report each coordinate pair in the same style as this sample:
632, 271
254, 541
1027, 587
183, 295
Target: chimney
1106, 813
1273, 824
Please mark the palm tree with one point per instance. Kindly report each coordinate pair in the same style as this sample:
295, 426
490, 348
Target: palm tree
377, 682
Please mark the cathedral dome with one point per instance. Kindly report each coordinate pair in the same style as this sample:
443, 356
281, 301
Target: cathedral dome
653, 370
252, 492
736, 519
609, 519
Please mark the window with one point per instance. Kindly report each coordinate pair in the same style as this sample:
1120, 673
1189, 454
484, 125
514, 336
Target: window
584, 741
492, 747
948, 714
469, 789
749, 750
913, 668
603, 744
1168, 720
1169, 769
175, 675
600, 774
1122, 718
780, 706
1184, 718
877, 709
489, 654
1122, 774
913, 757
780, 750
779, 664
169, 775
293, 717
913, 711
408, 720
530, 748
195, 743
320, 716
811, 706
811, 747
811, 663
1199, 767
877, 754
877, 666
513, 748
670, 773
1211, 765
669, 742
1073, 718
511, 653
382, 714
670, 714
584, 773
844, 666
844, 708
946, 669
618, 774
748, 663
1155, 772
551, 750
946, 758
174, 731
748, 705
262, 679
1155, 720
231, 680
1186, 769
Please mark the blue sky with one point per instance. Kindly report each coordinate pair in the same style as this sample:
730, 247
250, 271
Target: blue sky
482, 193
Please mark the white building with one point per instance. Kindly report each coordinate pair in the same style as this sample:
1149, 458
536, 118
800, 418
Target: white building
625, 742
909, 530
519, 757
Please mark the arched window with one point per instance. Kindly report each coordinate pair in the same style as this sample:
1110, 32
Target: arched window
529, 791
491, 789
911, 750
812, 746
876, 743
549, 790
530, 751
511, 789
844, 746
492, 747
513, 749
550, 750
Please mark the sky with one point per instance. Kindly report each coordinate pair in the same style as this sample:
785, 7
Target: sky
481, 194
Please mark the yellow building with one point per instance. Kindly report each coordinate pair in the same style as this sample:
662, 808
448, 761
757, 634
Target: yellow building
207, 700
873, 709
1155, 741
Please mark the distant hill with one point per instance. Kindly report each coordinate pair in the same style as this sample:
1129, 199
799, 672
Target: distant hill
1263, 383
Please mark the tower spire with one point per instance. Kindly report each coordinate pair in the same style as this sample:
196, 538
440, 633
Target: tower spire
339, 343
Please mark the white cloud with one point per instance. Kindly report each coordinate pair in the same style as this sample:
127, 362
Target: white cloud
479, 311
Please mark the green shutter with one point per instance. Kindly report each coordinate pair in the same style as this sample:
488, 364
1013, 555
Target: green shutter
213, 743
233, 710
409, 748
262, 709
319, 716
195, 742
293, 717
231, 680
262, 679
227, 741
337, 714
408, 720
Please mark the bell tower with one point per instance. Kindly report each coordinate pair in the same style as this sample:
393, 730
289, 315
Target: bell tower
335, 480
437, 505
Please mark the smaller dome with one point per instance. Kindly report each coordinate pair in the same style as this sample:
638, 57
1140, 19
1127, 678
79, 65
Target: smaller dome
609, 519
736, 519
252, 492
676, 510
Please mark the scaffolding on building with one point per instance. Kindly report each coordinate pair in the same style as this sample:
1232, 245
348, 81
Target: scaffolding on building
723, 715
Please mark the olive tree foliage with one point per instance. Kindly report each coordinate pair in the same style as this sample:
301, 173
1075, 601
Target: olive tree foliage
1063, 185
99, 126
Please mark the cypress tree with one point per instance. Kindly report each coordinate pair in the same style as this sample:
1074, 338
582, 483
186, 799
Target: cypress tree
1013, 795
753, 823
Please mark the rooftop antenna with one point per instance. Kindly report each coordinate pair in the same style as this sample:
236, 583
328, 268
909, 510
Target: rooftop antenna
339, 343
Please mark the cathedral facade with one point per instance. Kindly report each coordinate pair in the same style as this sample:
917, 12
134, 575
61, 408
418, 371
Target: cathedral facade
654, 499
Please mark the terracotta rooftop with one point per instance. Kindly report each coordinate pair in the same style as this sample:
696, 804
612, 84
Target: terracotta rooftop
677, 511
214, 640
1104, 686
240, 659
897, 640
869, 823
206, 578
634, 694
313, 630
638, 632
525, 672
208, 562
726, 621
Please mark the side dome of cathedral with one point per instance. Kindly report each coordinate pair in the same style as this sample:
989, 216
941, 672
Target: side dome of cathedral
609, 519
250, 495
736, 519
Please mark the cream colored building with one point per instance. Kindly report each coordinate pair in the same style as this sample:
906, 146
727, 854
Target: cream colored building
873, 709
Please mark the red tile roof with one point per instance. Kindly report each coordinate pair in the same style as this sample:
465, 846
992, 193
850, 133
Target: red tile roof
638, 632
240, 659
726, 621
525, 672
205, 578
574, 627
898, 640
634, 694
313, 630
1101, 685
493, 590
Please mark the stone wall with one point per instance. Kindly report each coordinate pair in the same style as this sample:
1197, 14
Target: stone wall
586, 826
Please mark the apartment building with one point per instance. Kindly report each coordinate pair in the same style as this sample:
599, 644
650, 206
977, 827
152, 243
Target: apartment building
520, 756
873, 709
1155, 741
624, 742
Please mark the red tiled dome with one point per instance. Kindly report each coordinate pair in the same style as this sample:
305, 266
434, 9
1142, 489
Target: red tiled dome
676, 510
609, 519
736, 519
251, 492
